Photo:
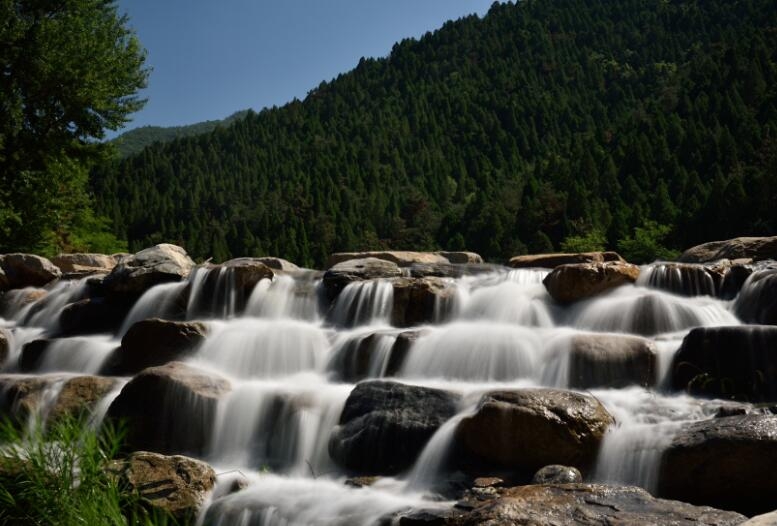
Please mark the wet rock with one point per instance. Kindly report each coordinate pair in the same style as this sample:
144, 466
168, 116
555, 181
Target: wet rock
28, 270
685, 278
574, 504
247, 272
278, 264
21, 396
93, 316
84, 263
756, 248
738, 362
527, 429
14, 301
135, 274
5, 347
169, 409
733, 281
757, 301
79, 395
462, 258
32, 355
153, 342
400, 258
361, 357
385, 425
421, 301
555, 260
570, 283
341, 274
611, 360
557, 474
723, 462
5, 284
175, 484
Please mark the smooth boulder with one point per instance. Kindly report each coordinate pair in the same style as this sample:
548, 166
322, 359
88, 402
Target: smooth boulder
723, 462
398, 257
686, 279
611, 360
755, 248
757, 300
570, 283
92, 316
134, 274
554, 260
462, 257
340, 275
84, 263
28, 270
557, 474
384, 426
527, 429
169, 409
278, 263
421, 300
737, 362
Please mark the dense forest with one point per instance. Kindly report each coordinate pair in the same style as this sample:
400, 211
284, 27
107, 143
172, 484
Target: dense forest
545, 124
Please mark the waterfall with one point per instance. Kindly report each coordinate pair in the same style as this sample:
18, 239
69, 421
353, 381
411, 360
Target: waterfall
158, 302
363, 303
285, 297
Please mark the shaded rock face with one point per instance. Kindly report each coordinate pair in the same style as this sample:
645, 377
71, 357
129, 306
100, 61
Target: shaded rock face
32, 355
420, 301
247, 272
738, 362
5, 284
557, 474
5, 347
685, 278
570, 283
757, 301
92, 316
135, 274
757, 248
169, 409
341, 274
527, 429
28, 270
278, 264
574, 504
176, 484
400, 258
557, 259
462, 258
84, 263
384, 426
358, 358
723, 462
611, 360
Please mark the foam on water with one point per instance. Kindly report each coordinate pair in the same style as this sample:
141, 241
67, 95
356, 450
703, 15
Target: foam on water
84, 354
286, 296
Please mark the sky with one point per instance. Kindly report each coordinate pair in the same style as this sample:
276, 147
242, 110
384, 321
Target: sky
212, 58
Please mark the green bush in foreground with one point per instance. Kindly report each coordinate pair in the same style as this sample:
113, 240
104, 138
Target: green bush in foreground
61, 475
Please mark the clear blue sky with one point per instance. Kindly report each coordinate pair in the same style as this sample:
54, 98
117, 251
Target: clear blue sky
211, 58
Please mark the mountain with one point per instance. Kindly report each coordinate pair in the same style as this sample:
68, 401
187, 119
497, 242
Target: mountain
542, 124
133, 141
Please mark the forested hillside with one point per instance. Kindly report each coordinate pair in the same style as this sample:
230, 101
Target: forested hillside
544, 120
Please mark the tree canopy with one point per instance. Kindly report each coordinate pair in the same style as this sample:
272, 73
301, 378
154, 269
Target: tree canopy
71, 69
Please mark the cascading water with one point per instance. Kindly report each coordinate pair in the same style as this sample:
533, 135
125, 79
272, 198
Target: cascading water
157, 302
363, 303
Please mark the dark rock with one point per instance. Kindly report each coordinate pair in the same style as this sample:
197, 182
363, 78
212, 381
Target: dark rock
723, 462
5, 284
360, 356
757, 301
32, 355
738, 362
28, 270
527, 429
570, 283
340, 275
686, 279
554, 260
169, 409
278, 264
421, 301
137, 273
93, 316
385, 425
734, 280
5, 348
557, 474
756, 248
462, 258
611, 360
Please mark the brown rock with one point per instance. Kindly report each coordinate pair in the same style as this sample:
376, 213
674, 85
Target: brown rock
28, 270
278, 264
421, 300
15, 300
685, 278
84, 263
756, 248
462, 258
135, 274
611, 360
340, 275
554, 260
400, 258
570, 283
78, 396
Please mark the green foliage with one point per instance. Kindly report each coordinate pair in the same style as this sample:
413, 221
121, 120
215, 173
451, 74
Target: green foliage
645, 246
501, 135
592, 241
71, 70
61, 475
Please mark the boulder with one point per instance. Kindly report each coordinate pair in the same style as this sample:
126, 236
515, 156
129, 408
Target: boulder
278, 264
723, 462
757, 300
32, 354
247, 272
336, 278
79, 395
420, 301
360, 357
527, 429
28, 270
592, 504
169, 409
462, 258
554, 260
5, 283
733, 280
611, 360
135, 274
21, 396
570, 283
767, 519
384, 426
686, 279
153, 342
557, 474
175, 484
5, 348
14, 301
738, 362
84, 263
756, 248
400, 258
92, 316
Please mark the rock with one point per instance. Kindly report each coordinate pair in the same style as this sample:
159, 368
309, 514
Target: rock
527, 429
755, 248
5, 283
462, 258
92, 316
20, 396
361, 482
169, 409
5, 348
28, 270
360, 356
757, 301
733, 281
153, 342
32, 355
569, 283
79, 395
135, 274
336, 278
384, 426
767, 519
175, 484
247, 272
421, 301
684, 278
557, 474
738, 362
611, 360
84, 263
724, 462
554, 260
592, 504
278, 264
400, 258
487, 482
13, 301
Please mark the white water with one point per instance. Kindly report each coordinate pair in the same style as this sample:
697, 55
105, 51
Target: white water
157, 302
363, 303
